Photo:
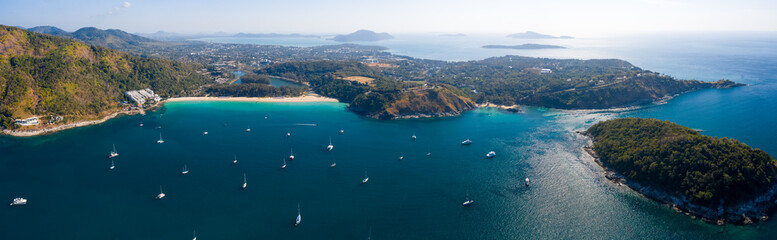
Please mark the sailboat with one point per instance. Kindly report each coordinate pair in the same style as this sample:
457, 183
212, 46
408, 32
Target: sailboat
369, 237
195, 235
330, 146
491, 154
365, 177
291, 155
185, 170
248, 129
141, 124
160, 139
299, 217
333, 163
466, 142
205, 132
401, 156
234, 161
112, 166
414, 136
245, 182
288, 134
113, 153
468, 202
341, 131
284, 164
161, 194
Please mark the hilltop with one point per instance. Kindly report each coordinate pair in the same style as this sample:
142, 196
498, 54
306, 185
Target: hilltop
362, 36
719, 179
44, 75
110, 38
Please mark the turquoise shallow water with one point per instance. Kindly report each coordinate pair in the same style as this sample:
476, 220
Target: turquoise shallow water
74, 196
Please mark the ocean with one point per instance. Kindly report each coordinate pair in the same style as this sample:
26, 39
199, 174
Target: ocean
73, 195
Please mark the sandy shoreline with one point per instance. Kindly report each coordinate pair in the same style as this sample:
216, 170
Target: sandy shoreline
306, 98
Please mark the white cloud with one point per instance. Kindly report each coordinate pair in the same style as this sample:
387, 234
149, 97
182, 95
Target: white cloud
117, 9
126, 4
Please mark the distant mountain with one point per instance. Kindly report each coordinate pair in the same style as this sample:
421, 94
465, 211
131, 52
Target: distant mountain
111, 38
50, 30
524, 46
272, 35
362, 36
535, 35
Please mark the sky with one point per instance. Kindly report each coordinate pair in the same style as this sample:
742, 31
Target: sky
555, 17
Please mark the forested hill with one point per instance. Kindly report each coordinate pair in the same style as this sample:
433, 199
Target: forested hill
110, 38
707, 171
43, 75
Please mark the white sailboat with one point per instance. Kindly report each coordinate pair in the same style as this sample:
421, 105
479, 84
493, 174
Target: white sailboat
284, 164
245, 182
333, 163
114, 153
160, 139
195, 235
248, 129
291, 155
491, 154
18, 201
330, 146
234, 161
299, 216
112, 166
185, 170
468, 201
341, 131
365, 177
414, 136
161, 193
466, 142
288, 134
205, 132
401, 156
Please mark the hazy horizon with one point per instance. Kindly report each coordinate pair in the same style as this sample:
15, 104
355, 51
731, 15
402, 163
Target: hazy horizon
562, 17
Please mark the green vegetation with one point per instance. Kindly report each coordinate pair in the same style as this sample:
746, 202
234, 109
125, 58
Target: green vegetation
384, 98
46, 75
255, 78
110, 38
573, 84
254, 90
706, 170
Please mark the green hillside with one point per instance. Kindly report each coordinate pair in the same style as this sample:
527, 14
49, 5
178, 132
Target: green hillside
46, 75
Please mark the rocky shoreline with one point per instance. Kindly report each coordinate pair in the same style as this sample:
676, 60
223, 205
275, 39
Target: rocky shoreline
57, 128
749, 212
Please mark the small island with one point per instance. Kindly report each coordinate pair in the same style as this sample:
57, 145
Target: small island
524, 46
362, 36
720, 180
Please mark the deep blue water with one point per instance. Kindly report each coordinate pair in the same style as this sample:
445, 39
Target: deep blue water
74, 196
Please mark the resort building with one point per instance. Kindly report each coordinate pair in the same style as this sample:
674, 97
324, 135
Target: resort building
27, 121
141, 96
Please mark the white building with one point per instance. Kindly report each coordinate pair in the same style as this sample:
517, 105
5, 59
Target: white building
27, 121
141, 96
545, 70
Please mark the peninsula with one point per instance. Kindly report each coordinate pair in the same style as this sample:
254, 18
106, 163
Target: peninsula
524, 46
718, 179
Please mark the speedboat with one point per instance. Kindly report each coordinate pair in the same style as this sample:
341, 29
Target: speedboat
161, 194
468, 202
466, 142
18, 201
490, 154
113, 153
527, 182
299, 217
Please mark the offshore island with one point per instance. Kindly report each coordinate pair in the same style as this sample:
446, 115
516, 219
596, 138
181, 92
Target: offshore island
720, 180
62, 78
